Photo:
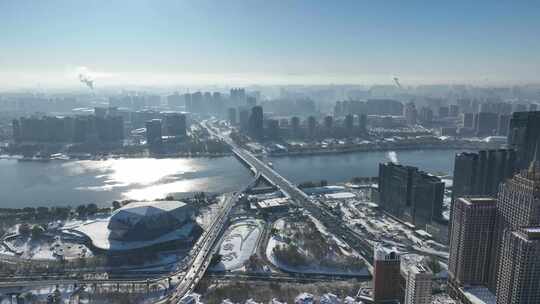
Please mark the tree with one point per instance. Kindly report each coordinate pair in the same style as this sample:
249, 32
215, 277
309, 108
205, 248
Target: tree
24, 229
91, 209
37, 231
29, 210
116, 205
216, 258
28, 297
434, 265
42, 212
81, 210
61, 212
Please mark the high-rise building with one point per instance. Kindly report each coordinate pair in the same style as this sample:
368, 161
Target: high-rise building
454, 110
349, 124
418, 284
103, 128
328, 125
503, 125
256, 123
471, 240
175, 124
15, 124
274, 131
175, 100
311, 126
188, 102
485, 123
384, 107
386, 274
519, 107
362, 124
524, 135
426, 115
231, 113
197, 102
238, 96
410, 113
519, 267
513, 263
481, 173
295, 126
410, 194
328, 122
518, 203
444, 112
243, 119
153, 134
468, 120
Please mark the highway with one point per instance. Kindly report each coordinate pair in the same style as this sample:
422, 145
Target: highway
332, 222
204, 251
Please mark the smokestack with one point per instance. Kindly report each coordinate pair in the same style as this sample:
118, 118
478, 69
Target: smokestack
396, 80
87, 81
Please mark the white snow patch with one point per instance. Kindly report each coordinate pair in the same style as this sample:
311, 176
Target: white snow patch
239, 243
304, 298
329, 298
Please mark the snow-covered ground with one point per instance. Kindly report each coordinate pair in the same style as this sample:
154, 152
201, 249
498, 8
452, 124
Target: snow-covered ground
363, 217
207, 214
47, 248
67, 237
345, 250
40, 294
239, 243
329, 298
304, 298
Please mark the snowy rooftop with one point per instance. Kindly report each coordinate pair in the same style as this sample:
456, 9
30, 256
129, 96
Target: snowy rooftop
340, 195
99, 234
386, 253
143, 207
274, 202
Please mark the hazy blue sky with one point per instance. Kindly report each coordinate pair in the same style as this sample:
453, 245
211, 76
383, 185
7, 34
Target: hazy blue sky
230, 41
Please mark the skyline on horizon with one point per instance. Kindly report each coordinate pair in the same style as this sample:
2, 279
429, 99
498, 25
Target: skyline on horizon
47, 44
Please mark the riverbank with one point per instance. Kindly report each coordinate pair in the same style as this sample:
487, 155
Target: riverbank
450, 145
69, 157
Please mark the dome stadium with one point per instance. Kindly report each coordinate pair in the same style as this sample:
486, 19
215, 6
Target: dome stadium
142, 224
144, 221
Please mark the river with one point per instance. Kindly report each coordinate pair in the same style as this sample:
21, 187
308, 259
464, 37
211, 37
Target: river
342, 167
58, 183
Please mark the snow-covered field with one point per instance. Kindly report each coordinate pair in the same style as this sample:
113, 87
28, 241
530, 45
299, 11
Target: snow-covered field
365, 219
47, 248
40, 294
344, 250
239, 243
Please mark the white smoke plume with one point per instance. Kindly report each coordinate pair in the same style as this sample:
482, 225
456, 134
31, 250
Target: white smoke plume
398, 84
392, 156
87, 81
